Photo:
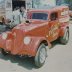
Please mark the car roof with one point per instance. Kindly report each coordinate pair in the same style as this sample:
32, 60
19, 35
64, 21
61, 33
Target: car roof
49, 9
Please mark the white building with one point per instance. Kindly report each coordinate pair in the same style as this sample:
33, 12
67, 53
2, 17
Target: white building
49, 2
10, 5
38, 3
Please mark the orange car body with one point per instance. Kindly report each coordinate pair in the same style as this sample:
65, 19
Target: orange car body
36, 31
70, 13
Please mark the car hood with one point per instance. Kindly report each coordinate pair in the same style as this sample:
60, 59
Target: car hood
32, 25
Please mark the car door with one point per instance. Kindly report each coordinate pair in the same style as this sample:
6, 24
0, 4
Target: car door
53, 26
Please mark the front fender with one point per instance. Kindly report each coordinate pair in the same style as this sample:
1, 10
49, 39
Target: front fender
31, 48
6, 43
34, 45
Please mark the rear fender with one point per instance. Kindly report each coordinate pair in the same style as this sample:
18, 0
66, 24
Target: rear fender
63, 28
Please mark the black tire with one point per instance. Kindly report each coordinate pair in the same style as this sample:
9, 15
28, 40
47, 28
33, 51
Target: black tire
64, 40
40, 55
4, 52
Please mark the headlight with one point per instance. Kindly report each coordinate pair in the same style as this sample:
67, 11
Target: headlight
4, 36
27, 40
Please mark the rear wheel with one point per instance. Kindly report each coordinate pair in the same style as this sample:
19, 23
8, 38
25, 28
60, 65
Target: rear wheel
41, 56
64, 40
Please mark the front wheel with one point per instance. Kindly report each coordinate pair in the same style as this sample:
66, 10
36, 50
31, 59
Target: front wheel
41, 56
64, 40
4, 52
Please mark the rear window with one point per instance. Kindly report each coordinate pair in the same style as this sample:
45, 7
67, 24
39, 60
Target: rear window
42, 16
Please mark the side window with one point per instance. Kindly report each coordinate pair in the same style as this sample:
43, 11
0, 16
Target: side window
54, 16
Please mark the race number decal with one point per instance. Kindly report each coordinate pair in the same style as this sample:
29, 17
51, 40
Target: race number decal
53, 29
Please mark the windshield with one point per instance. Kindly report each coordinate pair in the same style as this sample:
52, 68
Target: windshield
42, 16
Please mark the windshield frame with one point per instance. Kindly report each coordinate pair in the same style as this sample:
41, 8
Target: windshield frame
39, 12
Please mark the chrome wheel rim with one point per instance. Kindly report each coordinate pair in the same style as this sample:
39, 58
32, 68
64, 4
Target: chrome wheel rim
66, 36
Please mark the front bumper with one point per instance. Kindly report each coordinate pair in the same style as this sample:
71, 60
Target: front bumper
10, 46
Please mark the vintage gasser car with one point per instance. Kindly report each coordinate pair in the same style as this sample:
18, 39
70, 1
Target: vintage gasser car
31, 37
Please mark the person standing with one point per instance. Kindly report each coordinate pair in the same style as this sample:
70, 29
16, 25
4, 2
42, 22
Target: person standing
19, 16
15, 17
23, 14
